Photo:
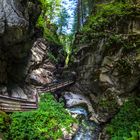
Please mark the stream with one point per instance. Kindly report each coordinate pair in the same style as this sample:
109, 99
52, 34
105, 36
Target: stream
88, 130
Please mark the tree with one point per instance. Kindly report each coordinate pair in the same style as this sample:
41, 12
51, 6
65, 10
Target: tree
82, 10
63, 21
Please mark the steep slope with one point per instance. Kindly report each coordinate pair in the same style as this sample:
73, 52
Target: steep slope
108, 56
25, 61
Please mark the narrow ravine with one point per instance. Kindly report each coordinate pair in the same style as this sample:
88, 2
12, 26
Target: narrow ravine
69, 70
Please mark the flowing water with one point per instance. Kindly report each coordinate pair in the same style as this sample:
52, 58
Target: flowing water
88, 130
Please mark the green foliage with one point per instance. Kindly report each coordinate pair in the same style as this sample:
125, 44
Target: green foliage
54, 22
135, 135
50, 9
52, 57
67, 40
108, 104
49, 30
63, 21
126, 124
4, 121
117, 8
106, 14
46, 123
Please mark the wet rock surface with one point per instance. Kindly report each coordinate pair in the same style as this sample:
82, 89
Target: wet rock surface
87, 129
24, 60
108, 72
38, 72
75, 99
15, 38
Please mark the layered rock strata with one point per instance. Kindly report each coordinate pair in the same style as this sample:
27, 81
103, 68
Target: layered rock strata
108, 62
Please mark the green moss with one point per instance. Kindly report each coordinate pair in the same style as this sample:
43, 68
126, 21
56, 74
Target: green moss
104, 15
126, 123
125, 66
52, 57
46, 123
108, 104
103, 22
49, 30
4, 121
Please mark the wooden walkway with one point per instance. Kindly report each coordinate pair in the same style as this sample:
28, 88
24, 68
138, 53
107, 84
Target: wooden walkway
9, 104
53, 87
12, 104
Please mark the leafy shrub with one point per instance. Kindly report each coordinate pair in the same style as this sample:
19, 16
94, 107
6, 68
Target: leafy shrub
135, 136
52, 57
105, 16
4, 121
126, 124
49, 30
46, 123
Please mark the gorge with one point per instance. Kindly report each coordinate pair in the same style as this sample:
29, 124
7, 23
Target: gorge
103, 60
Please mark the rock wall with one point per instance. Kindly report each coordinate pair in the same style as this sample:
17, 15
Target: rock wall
24, 62
15, 37
108, 62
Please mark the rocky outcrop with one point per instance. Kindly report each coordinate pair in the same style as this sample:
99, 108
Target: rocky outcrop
24, 63
75, 99
40, 68
37, 72
108, 64
15, 37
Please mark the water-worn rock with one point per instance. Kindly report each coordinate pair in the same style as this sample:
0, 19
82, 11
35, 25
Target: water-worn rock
17, 92
14, 18
15, 38
38, 72
108, 71
40, 68
74, 99
24, 63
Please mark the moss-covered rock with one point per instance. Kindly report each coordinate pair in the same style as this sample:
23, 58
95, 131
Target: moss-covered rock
126, 122
108, 66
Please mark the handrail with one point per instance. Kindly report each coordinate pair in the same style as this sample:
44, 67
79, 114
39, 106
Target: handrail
11, 104
15, 99
54, 86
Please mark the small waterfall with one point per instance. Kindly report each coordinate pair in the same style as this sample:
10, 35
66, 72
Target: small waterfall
88, 130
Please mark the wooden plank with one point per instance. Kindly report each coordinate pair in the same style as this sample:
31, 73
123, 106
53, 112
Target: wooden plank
55, 86
12, 104
16, 108
15, 103
9, 104
14, 99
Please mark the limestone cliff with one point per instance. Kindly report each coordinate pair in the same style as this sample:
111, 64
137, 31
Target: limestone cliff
15, 37
108, 57
24, 60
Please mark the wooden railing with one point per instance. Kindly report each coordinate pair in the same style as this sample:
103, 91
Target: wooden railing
54, 86
12, 104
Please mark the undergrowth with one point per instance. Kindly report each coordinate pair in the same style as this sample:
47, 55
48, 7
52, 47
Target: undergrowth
126, 124
107, 14
46, 123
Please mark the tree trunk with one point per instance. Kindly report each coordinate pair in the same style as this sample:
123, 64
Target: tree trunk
78, 15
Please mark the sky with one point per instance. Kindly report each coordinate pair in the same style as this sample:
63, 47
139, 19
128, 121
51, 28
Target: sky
70, 6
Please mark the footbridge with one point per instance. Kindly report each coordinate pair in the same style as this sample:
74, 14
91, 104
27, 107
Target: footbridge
12, 104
